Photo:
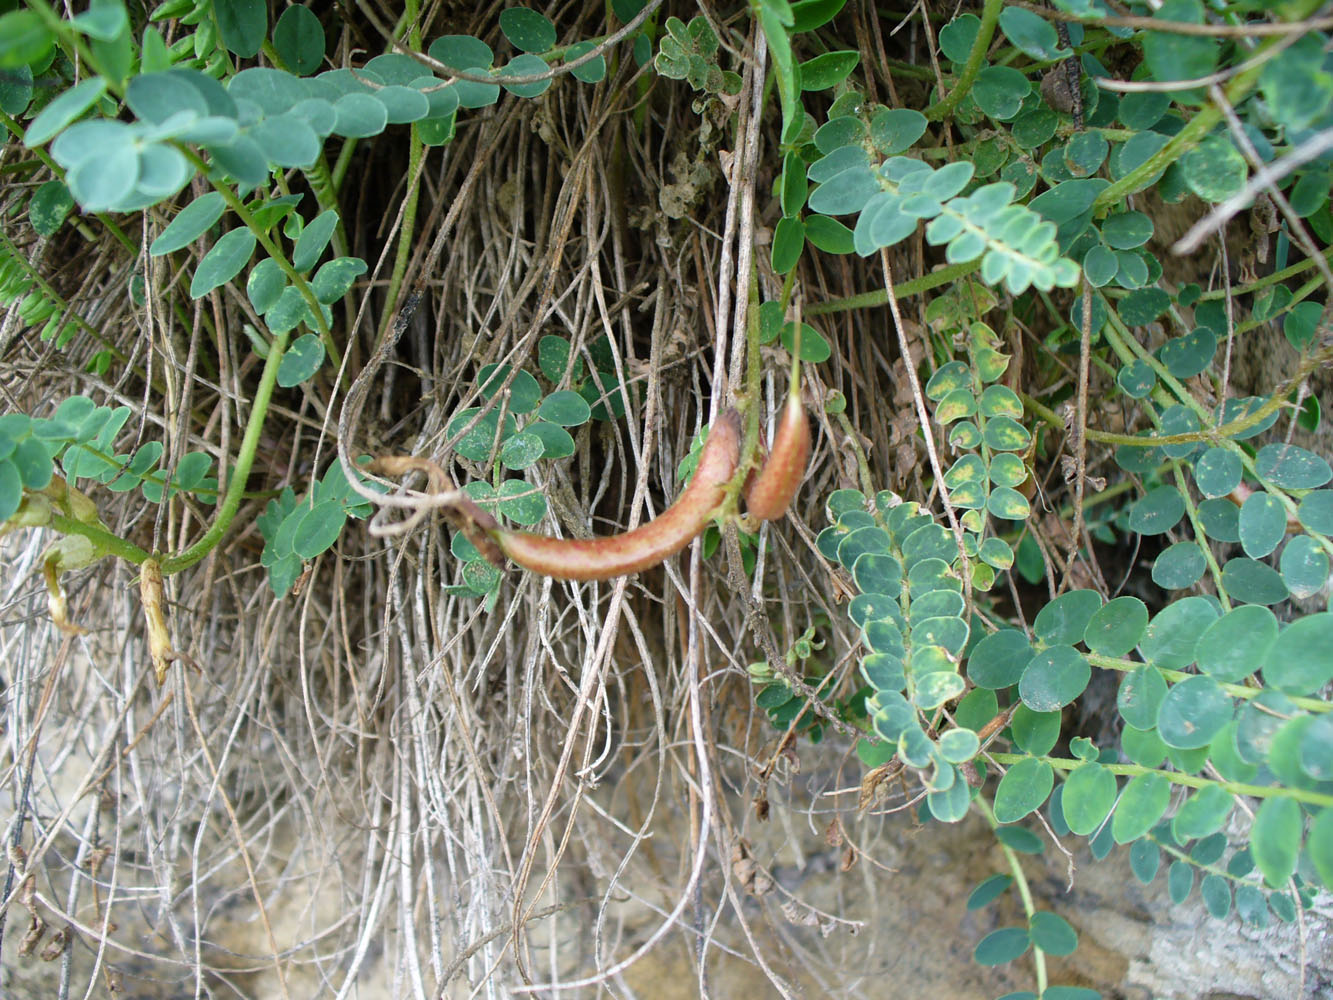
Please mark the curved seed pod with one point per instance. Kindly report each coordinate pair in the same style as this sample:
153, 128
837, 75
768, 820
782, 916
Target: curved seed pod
769, 493
648, 544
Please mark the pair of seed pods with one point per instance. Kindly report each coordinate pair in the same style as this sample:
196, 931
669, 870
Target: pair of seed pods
767, 495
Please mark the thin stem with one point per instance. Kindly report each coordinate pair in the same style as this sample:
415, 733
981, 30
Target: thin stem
944, 107
1024, 890
111, 544
240, 471
1177, 778
879, 297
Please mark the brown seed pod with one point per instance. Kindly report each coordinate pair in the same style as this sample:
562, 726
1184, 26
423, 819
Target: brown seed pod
769, 493
647, 545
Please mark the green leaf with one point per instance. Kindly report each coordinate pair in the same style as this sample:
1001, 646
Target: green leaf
1179, 881
103, 175
521, 502
1064, 620
1304, 566
1292, 468
1216, 894
191, 470
1085, 153
265, 285
828, 70
1220, 519
844, 192
1018, 839
999, 91
566, 408
16, 89
999, 947
301, 361
287, 140
1170, 56
959, 745
287, 312
462, 52
335, 278
1170, 638
998, 660
958, 36
1157, 511
1051, 932
1214, 170
476, 444
1316, 511
299, 39
313, 239
1143, 110
1299, 661
361, 116
814, 348
11, 482
1034, 732
527, 30
1275, 839
1141, 805
34, 464
1179, 566
1144, 860
1023, 789
1088, 797
1236, 644
1262, 524
521, 66
1054, 678
1217, 472
524, 393
1301, 325
223, 262
318, 528
594, 70
1117, 627
1192, 713
1126, 230
807, 15
1100, 266
1202, 814
1188, 355
1252, 582
1319, 845
242, 25
1031, 34
988, 890
828, 235
788, 242
521, 450
24, 40
63, 110
894, 130
49, 206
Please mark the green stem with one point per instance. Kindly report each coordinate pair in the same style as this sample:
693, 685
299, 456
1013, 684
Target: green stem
1177, 778
879, 297
407, 235
1184, 140
1024, 890
274, 250
241, 470
1277, 277
109, 543
942, 108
